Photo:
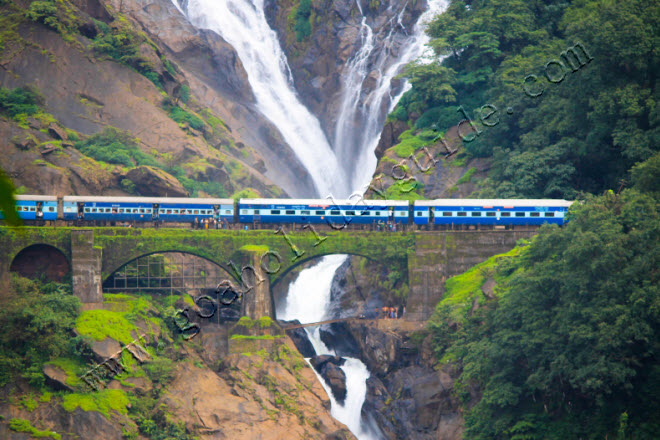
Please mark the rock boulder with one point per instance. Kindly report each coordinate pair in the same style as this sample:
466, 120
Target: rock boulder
153, 182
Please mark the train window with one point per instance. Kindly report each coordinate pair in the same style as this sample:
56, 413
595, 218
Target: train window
461, 214
274, 211
419, 213
243, 211
256, 212
196, 211
520, 214
549, 214
490, 214
535, 214
228, 211
350, 212
377, 213
304, 212
505, 214
290, 212
364, 213
447, 214
476, 214
319, 212
141, 210
51, 209
335, 212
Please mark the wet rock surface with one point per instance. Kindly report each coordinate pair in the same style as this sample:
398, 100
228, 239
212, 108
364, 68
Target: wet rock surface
328, 367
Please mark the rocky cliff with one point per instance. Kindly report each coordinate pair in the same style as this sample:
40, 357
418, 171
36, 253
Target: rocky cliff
320, 58
139, 67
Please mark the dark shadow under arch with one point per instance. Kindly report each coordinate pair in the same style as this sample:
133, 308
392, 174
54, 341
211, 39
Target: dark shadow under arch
41, 261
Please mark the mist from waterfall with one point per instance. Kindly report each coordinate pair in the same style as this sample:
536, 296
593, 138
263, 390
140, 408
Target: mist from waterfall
363, 112
243, 24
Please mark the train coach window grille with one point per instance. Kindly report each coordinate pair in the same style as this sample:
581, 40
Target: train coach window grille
304, 212
447, 214
364, 213
334, 212
228, 211
534, 214
274, 211
490, 214
51, 209
377, 213
350, 212
462, 214
196, 211
549, 214
505, 214
290, 212
520, 214
476, 214
419, 213
320, 212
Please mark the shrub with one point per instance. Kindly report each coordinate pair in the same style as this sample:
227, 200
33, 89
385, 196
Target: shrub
117, 147
22, 425
44, 12
180, 115
22, 100
35, 326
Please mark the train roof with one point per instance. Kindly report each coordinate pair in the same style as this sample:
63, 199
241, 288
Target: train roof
494, 202
325, 202
159, 200
36, 198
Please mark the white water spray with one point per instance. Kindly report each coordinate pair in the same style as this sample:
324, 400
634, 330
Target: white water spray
242, 23
307, 301
363, 112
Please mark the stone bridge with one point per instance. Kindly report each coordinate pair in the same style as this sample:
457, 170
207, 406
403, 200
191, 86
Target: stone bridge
93, 254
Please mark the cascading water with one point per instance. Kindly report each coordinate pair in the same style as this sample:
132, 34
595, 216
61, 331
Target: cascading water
242, 23
363, 111
308, 301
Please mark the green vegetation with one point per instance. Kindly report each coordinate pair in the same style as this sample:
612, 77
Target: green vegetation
301, 17
20, 101
589, 126
122, 43
182, 116
117, 147
565, 347
22, 425
101, 324
465, 178
102, 401
35, 327
7, 202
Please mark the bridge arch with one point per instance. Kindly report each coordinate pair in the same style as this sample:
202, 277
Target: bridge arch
41, 259
138, 274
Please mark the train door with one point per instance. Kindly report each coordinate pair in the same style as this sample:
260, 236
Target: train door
154, 212
81, 210
431, 218
40, 210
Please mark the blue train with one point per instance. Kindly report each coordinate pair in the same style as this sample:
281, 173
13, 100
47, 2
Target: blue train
336, 213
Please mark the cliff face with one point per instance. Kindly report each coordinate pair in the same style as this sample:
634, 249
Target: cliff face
124, 64
319, 61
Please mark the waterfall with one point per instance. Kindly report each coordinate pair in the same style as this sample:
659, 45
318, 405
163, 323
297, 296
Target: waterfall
350, 165
242, 23
363, 112
308, 301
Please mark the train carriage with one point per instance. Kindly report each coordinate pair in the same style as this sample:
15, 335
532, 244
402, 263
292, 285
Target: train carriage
316, 211
35, 207
146, 209
490, 211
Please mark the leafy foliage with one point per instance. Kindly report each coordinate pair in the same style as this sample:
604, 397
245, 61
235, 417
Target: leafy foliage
22, 425
569, 349
35, 326
585, 130
22, 100
7, 203
115, 146
303, 25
